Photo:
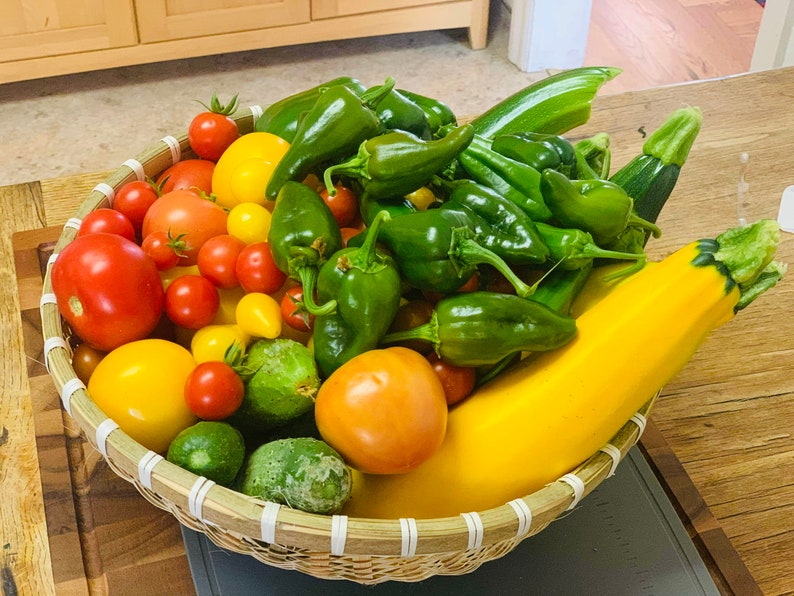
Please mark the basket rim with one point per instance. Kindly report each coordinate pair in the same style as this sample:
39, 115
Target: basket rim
213, 506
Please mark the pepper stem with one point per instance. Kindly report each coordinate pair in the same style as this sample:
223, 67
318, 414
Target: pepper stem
464, 250
355, 167
374, 95
366, 253
636, 220
426, 332
308, 279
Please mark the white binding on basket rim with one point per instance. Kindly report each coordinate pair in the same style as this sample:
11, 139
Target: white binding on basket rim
73, 223
198, 493
174, 147
145, 467
524, 515
267, 522
410, 536
68, 389
103, 430
48, 298
56, 341
338, 534
107, 190
641, 422
577, 484
476, 530
136, 167
615, 454
256, 112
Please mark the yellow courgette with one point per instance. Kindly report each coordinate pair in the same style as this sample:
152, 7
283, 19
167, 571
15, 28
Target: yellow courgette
540, 419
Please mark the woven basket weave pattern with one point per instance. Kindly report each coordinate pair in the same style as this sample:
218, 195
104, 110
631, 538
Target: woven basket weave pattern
328, 547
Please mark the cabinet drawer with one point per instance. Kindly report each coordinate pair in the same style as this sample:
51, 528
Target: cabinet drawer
162, 20
324, 9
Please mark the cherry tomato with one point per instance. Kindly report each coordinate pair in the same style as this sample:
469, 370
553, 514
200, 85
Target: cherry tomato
184, 214
85, 360
343, 205
293, 312
347, 233
164, 250
133, 199
250, 222
213, 342
212, 131
244, 170
189, 174
109, 221
141, 386
108, 290
191, 301
384, 411
256, 270
217, 260
458, 381
259, 315
214, 390
169, 275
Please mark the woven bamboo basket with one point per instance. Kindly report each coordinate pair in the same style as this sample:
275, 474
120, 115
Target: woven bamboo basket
365, 551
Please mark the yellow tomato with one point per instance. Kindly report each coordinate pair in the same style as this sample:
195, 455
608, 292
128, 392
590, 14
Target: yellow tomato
227, 304
250, 222
259, 315
244, 169
171, 274
422, 198
141, 386
211, 342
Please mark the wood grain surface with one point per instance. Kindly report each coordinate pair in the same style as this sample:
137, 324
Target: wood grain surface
726, 416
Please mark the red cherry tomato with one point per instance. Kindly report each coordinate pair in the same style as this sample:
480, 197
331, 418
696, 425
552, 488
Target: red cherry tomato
109, 221
257, 270
293, 312
343, 205
183, 213
214, 390
164, 250
458, 381
191, 301
217, 260
212, 131
108, 290
133, 199
188, 174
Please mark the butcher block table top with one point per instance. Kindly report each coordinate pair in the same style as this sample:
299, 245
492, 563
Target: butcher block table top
719, 438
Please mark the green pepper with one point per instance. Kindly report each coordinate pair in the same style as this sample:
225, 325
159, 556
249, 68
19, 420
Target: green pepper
437, 112
366, 285
572, 248
303, 234
598, 207
538, 150
478, 328
499, 225
398, 112
369, 207
512, 179
281, 118
336, 125
436, 250
595, 156
398, 162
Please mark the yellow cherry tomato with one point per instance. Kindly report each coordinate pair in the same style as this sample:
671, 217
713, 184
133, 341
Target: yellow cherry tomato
171, 274
227, 305
259, 315
421, 198
141, 385
250, 222
242, 172
213, 341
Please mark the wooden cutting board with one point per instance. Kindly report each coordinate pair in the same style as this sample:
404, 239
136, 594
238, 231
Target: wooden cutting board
104, 537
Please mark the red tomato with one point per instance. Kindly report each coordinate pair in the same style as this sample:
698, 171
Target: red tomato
217, 260
384, 411
191, 301
212, 131
343, 205
188, 174
164, 250
257, 270
458, 381
134, 199
293, 312
108, 290
347, 233
181, 212
109, 221
214, 390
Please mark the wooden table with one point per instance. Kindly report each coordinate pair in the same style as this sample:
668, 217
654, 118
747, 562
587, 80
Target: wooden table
720, 437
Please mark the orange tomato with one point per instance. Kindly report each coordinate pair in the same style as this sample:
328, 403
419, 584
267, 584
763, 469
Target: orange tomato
384, 411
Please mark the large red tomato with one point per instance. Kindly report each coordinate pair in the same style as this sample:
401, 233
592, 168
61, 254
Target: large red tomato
384, 411
184, 212
188, 174
108, 290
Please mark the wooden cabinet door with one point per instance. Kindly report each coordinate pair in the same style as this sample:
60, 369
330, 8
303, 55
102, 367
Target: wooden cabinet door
324, 9
161, 20
57, 27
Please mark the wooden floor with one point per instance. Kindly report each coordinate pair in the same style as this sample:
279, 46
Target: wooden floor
662, 42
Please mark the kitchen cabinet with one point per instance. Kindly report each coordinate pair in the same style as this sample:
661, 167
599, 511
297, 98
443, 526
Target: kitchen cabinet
56, 37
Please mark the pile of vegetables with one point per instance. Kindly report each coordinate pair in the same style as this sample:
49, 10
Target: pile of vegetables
365, 305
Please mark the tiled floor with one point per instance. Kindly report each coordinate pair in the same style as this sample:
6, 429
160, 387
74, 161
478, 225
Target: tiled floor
94, 121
